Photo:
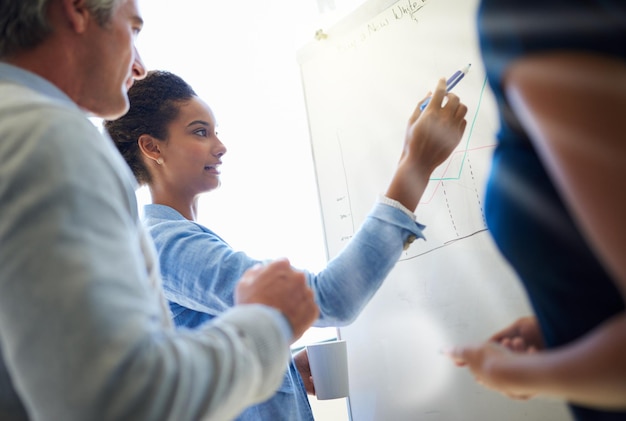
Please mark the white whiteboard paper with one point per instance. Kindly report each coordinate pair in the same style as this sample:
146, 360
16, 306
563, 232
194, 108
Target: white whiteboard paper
362, 79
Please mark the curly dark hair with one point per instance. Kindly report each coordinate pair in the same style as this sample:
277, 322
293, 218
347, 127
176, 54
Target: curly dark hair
154, 103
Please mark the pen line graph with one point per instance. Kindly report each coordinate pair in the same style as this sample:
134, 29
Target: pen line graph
441, 193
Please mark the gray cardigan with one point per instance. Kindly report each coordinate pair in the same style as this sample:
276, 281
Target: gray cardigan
84, 330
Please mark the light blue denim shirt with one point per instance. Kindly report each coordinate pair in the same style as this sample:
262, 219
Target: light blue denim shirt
200, 271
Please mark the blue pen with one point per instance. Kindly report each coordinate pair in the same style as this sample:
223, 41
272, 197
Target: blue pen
450, 83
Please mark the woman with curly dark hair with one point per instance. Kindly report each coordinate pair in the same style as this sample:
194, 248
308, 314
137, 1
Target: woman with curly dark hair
169, 139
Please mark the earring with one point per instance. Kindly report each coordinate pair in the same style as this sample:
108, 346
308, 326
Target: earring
159, 161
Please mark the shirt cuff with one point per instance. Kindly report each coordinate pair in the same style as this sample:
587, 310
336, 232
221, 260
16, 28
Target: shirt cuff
395, 204
384, 200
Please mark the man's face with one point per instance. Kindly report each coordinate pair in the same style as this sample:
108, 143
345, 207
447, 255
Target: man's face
113, 61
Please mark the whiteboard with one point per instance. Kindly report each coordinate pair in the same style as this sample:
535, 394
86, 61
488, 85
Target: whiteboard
362, 79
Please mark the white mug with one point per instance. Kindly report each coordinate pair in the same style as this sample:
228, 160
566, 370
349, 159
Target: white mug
329, 369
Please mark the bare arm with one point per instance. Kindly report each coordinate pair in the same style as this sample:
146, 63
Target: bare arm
572, 106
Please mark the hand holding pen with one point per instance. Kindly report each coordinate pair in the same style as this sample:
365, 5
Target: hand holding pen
450, 83
430, 138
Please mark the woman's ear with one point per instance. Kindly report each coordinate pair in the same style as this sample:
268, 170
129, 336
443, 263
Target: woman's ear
150, 148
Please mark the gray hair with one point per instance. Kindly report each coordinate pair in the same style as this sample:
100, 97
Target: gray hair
24, 23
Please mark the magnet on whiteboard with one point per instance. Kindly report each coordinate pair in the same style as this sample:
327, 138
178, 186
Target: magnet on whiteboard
320, 34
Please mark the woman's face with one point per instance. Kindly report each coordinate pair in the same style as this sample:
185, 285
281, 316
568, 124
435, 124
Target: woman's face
192, 153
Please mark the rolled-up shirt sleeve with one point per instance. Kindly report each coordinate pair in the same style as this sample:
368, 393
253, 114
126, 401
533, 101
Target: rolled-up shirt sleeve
200, 268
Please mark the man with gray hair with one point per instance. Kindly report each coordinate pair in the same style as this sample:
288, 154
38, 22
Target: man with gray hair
84, 333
